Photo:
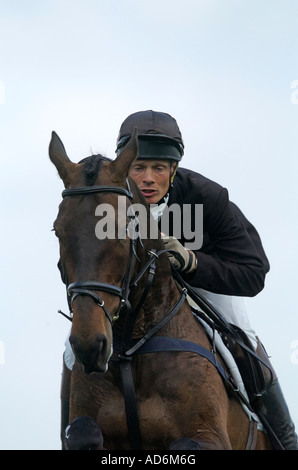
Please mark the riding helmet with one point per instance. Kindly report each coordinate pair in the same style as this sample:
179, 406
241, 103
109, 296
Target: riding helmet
159, 136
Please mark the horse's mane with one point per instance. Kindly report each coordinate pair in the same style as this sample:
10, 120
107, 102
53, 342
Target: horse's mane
92, 166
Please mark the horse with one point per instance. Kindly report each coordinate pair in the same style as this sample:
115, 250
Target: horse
145, 371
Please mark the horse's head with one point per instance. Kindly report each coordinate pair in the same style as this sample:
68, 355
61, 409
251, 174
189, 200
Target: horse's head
94, 259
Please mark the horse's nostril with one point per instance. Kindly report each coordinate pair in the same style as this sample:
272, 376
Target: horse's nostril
89, 352
101, 344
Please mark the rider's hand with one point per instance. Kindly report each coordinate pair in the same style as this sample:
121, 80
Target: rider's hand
182, 259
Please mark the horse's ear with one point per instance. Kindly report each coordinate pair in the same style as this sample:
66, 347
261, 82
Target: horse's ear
129, 153
59, 158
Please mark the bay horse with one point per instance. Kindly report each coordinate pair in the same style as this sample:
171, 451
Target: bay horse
144, 371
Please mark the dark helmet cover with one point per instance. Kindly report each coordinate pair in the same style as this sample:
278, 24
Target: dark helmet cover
158, 134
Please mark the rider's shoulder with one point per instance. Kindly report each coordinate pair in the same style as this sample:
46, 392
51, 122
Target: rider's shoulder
196, 182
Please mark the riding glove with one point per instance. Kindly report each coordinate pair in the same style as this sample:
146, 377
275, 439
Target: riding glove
181, 258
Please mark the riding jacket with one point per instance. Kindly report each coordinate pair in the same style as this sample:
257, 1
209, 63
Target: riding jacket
231, 260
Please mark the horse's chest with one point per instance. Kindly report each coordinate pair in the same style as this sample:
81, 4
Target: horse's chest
152, 416
159, 423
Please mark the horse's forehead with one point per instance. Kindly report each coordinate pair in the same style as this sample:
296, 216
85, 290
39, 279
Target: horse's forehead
89, 172
76, 176
96, 169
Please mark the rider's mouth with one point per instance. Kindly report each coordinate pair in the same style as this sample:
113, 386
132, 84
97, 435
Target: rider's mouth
148, 192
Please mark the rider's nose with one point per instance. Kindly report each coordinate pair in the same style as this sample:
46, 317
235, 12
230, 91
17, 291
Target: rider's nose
148, 176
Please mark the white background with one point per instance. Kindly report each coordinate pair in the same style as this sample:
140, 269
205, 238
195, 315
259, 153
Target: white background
224, 70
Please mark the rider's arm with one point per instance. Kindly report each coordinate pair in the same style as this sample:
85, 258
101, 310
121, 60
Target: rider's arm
231, 260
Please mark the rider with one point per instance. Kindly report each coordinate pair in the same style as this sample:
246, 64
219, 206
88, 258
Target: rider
230, 263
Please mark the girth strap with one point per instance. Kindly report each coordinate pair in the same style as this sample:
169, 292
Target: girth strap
252, 436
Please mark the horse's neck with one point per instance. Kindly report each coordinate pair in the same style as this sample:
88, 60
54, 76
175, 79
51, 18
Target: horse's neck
159, 301
162, 295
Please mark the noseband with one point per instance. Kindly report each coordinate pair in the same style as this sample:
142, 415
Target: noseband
87, 288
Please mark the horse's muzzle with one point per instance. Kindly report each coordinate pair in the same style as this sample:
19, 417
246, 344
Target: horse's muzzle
92, 355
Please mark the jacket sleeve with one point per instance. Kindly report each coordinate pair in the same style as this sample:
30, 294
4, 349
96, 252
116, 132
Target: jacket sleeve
232, 260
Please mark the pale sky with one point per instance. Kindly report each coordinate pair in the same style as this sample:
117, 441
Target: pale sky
224, 69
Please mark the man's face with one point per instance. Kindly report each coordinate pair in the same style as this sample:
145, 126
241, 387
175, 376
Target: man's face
152, 178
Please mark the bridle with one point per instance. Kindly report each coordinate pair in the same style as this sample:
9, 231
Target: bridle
88, 288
